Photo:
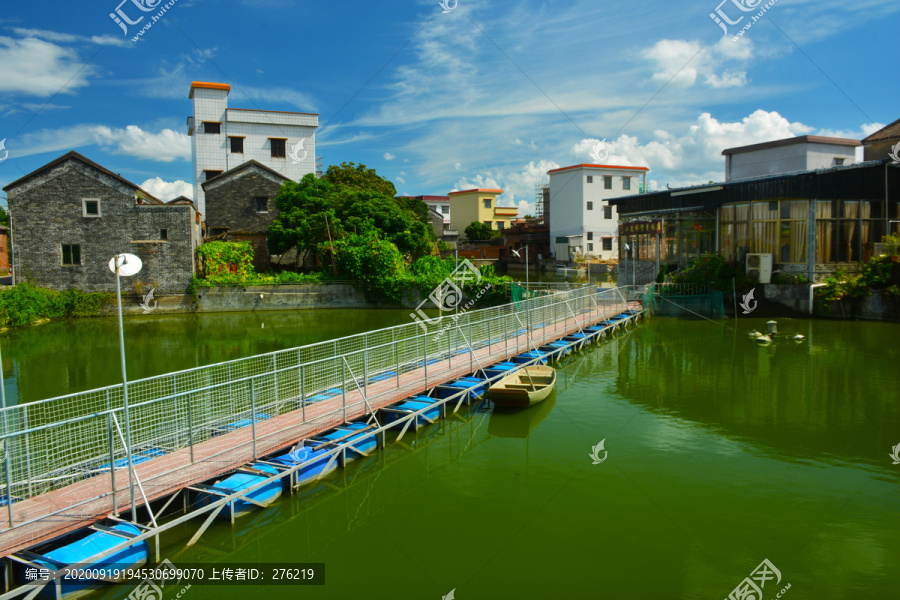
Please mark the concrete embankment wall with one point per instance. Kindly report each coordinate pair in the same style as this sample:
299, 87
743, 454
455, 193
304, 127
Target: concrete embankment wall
877, 306
250, 298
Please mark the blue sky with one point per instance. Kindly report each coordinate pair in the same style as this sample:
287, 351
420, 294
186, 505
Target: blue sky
490, 94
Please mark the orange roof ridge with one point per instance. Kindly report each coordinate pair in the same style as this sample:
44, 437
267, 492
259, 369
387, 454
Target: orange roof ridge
596, 166
478, 191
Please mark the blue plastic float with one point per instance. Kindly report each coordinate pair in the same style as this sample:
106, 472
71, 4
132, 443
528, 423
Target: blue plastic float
79, 552
318, 468
265, 495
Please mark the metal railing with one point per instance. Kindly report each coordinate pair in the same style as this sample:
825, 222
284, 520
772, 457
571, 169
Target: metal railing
678, 289
53, 443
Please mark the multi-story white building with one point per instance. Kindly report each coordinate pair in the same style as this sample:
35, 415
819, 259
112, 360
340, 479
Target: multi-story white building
580, 218
803, 153
223, 138
439, 204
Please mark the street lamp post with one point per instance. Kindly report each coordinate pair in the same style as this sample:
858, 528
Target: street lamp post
125, 265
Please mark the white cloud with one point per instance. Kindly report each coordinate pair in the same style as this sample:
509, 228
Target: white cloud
695, 155
864, 130
389, 156
685, 62
55, 36
168, 190
164, 146
38, 68
399, 179
517, 183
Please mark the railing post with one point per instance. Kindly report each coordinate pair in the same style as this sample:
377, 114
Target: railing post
451, 348
343, 387
275, 375
425, 358
191, 426
471, 344
253, 412
27, 448
506, 335
366, 365
396, 357
112, 459
7, 476
302, 390
175, 403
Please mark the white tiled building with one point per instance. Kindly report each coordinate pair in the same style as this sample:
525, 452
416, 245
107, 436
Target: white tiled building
804, 153
223, 138
580, 218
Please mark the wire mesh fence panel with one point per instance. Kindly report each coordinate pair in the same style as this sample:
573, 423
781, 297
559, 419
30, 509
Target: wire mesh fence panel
59, 441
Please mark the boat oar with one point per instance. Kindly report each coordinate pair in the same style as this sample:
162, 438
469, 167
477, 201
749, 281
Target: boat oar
530, 380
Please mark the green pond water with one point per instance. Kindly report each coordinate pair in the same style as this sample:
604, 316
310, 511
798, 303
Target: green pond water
718, 453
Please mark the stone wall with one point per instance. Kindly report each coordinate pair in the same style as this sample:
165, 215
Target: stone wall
795, 297
641, 271
285, 297
231, 205
46, 212
823, 270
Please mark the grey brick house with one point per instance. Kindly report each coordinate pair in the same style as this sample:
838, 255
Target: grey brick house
241, 206
71, 216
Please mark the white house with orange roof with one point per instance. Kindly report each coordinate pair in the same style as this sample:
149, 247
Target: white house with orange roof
479, 204
580, 218
223, 138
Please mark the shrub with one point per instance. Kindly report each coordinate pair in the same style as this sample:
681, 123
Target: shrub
26, 303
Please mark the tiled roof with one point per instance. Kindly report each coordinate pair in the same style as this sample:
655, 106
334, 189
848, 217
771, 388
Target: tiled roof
891, 132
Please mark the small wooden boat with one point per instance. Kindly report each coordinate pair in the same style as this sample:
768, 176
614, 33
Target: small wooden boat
525, 387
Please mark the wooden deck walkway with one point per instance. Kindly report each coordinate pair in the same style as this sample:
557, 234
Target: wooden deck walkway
81, 505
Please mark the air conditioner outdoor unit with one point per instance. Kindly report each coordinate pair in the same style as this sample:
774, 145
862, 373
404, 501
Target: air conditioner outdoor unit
759, 267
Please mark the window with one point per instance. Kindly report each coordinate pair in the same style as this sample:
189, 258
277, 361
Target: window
590, 235
163, 234
212, 127
445, 210
607, 182
210, 174
262, 204
837, 162
590, 247
626, 183
71, 254
590, 179
487, 202
607, 244
590, 205
500, 225
278, 147
488, 223
607, 212
237, 145
90, 207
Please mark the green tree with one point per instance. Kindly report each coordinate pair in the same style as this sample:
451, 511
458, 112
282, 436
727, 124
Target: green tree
307, 212
311, 209
413, 236
477, 230
373, 262
351, 175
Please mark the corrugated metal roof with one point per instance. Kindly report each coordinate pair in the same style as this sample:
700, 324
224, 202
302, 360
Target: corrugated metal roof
864, 181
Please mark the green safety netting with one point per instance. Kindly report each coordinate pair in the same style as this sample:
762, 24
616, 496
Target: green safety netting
518, 292
710, 305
